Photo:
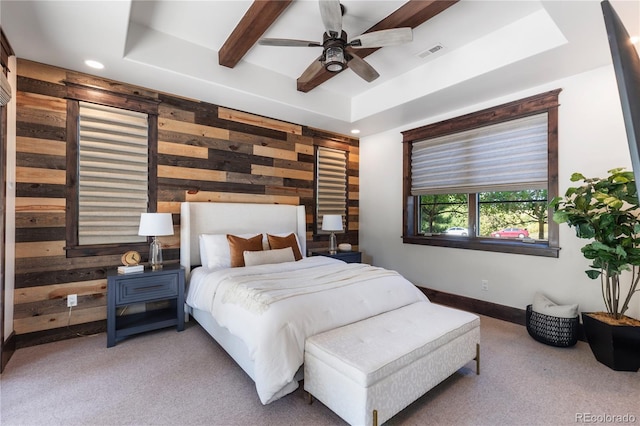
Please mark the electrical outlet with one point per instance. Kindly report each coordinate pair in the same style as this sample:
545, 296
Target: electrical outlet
485, 285
72, 300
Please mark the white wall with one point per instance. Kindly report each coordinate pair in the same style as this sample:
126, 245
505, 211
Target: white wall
592, 140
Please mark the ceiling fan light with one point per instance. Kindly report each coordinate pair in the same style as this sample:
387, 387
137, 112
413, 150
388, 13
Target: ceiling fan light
334, 60
334, 67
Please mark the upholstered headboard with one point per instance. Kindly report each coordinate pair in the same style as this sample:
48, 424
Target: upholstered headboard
235, 218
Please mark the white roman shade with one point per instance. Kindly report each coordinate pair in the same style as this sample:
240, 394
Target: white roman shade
5, 89
507, 156
113, 174
331, 183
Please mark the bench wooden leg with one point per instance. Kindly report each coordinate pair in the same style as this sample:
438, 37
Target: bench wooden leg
477, 359
309, 398
375, 418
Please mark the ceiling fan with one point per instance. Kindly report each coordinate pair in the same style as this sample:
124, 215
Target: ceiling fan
337, 53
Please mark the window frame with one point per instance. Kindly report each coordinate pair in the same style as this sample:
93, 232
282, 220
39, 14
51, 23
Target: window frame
544, 102
75, 94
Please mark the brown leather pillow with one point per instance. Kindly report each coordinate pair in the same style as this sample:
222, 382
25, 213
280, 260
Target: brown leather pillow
290, 240
238, 245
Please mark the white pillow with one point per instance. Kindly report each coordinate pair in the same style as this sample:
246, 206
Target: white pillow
252, 258
214, 250
542, 305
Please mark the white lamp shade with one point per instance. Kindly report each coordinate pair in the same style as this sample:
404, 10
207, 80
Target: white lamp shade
155, 224
332, 222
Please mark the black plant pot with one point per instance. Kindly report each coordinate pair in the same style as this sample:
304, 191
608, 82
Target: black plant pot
616, 346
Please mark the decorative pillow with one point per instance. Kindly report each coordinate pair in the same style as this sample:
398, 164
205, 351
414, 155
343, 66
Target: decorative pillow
203, 250
238, 245
542, 305
279, 242
214, 250
252, 258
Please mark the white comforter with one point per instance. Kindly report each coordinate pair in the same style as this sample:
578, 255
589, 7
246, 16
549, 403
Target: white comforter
275, 335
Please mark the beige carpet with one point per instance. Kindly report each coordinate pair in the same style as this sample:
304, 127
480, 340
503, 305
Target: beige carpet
170, 378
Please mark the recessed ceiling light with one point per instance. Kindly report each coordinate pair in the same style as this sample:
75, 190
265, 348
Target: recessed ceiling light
635, 39
94, 64
355, 131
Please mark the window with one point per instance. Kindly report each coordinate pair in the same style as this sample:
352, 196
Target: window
482, 181
449, 214
331, 184
111, 174
444, 213
526, 209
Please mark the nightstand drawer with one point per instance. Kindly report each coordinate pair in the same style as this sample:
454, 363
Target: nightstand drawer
144, 289
349, 256
345, 256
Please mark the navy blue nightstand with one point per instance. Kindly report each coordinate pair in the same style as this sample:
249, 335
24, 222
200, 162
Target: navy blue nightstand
144, 287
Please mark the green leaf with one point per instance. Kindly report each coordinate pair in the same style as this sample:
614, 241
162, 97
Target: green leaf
576, 177
560, 216
581, 202
614, 202
593, 274
585, 230
620, 178
597, 245
620, 251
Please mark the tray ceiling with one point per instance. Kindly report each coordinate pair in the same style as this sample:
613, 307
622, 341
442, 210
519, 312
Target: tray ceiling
482, 50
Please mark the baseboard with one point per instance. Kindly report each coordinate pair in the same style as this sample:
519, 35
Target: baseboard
63, 333
8, 348
493, 310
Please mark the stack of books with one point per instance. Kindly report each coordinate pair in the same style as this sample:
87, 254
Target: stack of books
130, 269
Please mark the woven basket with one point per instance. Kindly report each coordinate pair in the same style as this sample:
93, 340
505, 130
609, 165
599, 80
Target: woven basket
554, 331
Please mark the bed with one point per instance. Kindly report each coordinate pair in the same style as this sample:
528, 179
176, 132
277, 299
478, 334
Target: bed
268, 342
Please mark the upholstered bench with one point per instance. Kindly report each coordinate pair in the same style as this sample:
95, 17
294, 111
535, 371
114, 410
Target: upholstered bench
368, 371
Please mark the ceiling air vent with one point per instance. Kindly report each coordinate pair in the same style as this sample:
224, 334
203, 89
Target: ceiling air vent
434, 49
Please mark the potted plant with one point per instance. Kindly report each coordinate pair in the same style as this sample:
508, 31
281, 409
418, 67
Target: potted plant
607, 211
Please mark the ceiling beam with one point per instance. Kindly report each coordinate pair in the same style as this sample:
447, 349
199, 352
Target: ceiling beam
258, 18
411, 14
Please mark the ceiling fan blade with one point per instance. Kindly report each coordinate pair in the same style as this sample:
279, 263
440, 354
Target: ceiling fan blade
312, 70
361, 67
383, 38
288, 42
331, 17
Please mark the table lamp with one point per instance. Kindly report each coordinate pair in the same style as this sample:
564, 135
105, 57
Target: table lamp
332, 223
154, 225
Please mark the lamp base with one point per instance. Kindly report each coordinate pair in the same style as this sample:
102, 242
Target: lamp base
155, 254
333, 244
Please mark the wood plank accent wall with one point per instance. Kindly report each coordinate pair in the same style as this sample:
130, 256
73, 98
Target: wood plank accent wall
205, 153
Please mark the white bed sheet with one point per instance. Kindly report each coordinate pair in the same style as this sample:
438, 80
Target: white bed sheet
275, 338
